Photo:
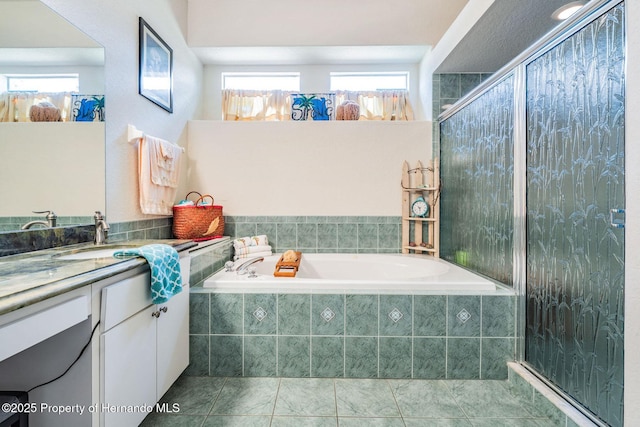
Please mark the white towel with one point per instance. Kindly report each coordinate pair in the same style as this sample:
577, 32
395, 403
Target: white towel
165, 162
253, 249
245, 242
156, 199
254, 255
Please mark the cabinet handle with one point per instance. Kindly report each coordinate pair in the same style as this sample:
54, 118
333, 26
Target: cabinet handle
156, 314
164, 309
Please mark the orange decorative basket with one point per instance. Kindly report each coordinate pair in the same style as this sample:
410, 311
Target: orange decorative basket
199, 221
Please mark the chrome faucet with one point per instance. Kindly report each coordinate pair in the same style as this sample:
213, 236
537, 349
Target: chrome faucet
50, 222
102, 228
243, 268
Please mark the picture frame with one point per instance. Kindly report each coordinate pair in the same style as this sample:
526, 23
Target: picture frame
155, 76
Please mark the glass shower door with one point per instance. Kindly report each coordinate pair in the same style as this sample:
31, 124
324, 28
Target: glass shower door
575, 245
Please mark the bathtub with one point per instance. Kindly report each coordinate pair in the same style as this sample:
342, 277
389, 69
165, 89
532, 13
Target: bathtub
354, 273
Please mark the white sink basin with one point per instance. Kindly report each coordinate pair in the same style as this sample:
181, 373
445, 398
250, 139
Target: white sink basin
91, 253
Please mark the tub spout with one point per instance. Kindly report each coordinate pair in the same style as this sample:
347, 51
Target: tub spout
242, 268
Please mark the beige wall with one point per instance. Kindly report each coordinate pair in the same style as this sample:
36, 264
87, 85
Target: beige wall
114, 24
304, 168
53, 166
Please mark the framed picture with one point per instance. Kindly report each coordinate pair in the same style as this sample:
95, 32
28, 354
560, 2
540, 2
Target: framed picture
314, 106
87, 108
155, 79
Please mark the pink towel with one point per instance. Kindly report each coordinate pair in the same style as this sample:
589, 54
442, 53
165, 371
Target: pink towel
159, 171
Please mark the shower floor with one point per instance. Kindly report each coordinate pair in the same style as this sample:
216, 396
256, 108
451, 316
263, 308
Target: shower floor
272, 402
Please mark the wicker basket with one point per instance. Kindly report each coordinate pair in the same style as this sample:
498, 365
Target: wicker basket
198, 221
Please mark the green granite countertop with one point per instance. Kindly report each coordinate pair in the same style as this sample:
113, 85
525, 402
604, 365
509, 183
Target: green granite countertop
32, 277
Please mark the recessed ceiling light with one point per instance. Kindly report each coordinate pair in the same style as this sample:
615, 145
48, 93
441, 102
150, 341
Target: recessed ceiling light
567, 10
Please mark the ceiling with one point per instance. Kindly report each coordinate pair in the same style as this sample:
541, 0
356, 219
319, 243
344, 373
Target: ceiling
504, 31
282, 55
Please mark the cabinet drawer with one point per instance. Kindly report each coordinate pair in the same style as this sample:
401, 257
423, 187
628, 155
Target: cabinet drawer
37, 327
124, 299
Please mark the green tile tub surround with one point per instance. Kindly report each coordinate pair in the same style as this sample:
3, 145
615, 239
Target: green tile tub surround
327, 358
207, 260
225, 357
463, 358
260, 354
361, 357
327, 314
351, 336
321, 234
293, 314
294, 356
260, 314
395, 357
430, 358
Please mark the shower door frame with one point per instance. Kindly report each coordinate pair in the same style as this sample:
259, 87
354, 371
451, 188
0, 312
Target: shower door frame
518, 67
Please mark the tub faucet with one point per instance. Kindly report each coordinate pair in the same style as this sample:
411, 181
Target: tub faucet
243, 268
50, 222
100, 237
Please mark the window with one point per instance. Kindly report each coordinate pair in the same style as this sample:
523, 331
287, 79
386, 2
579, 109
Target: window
370, 81
43, 83
261, 81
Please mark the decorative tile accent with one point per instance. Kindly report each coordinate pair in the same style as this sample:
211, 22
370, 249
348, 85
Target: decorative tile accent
319, 305
392, 308
395, 315
463, 315
327, 314
260, 314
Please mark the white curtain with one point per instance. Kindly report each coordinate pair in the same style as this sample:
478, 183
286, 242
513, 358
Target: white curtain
244, 105
15, 106
380, 104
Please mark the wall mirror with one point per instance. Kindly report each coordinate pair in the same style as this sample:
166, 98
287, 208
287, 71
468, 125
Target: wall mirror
49, 165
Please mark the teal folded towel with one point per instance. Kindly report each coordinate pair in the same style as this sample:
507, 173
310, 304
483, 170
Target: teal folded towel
166, 280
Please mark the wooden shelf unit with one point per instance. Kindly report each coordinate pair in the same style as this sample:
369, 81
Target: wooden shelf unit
425, 182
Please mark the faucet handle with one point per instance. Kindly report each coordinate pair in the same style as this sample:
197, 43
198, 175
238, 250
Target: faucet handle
51, 217
98, 216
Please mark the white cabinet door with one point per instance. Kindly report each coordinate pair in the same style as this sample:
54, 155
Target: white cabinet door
128, 372
173, 340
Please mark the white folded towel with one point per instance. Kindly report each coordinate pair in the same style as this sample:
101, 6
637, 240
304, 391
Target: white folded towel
253, 249
245, 242
253, 255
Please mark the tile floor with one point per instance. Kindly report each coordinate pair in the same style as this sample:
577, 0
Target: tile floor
299, 402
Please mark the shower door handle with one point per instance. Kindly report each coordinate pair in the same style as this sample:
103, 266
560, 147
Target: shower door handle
615, 219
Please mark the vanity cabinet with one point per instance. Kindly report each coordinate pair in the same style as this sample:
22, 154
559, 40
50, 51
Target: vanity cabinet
144, 347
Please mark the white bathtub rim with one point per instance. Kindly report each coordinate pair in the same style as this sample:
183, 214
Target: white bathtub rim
230, 282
